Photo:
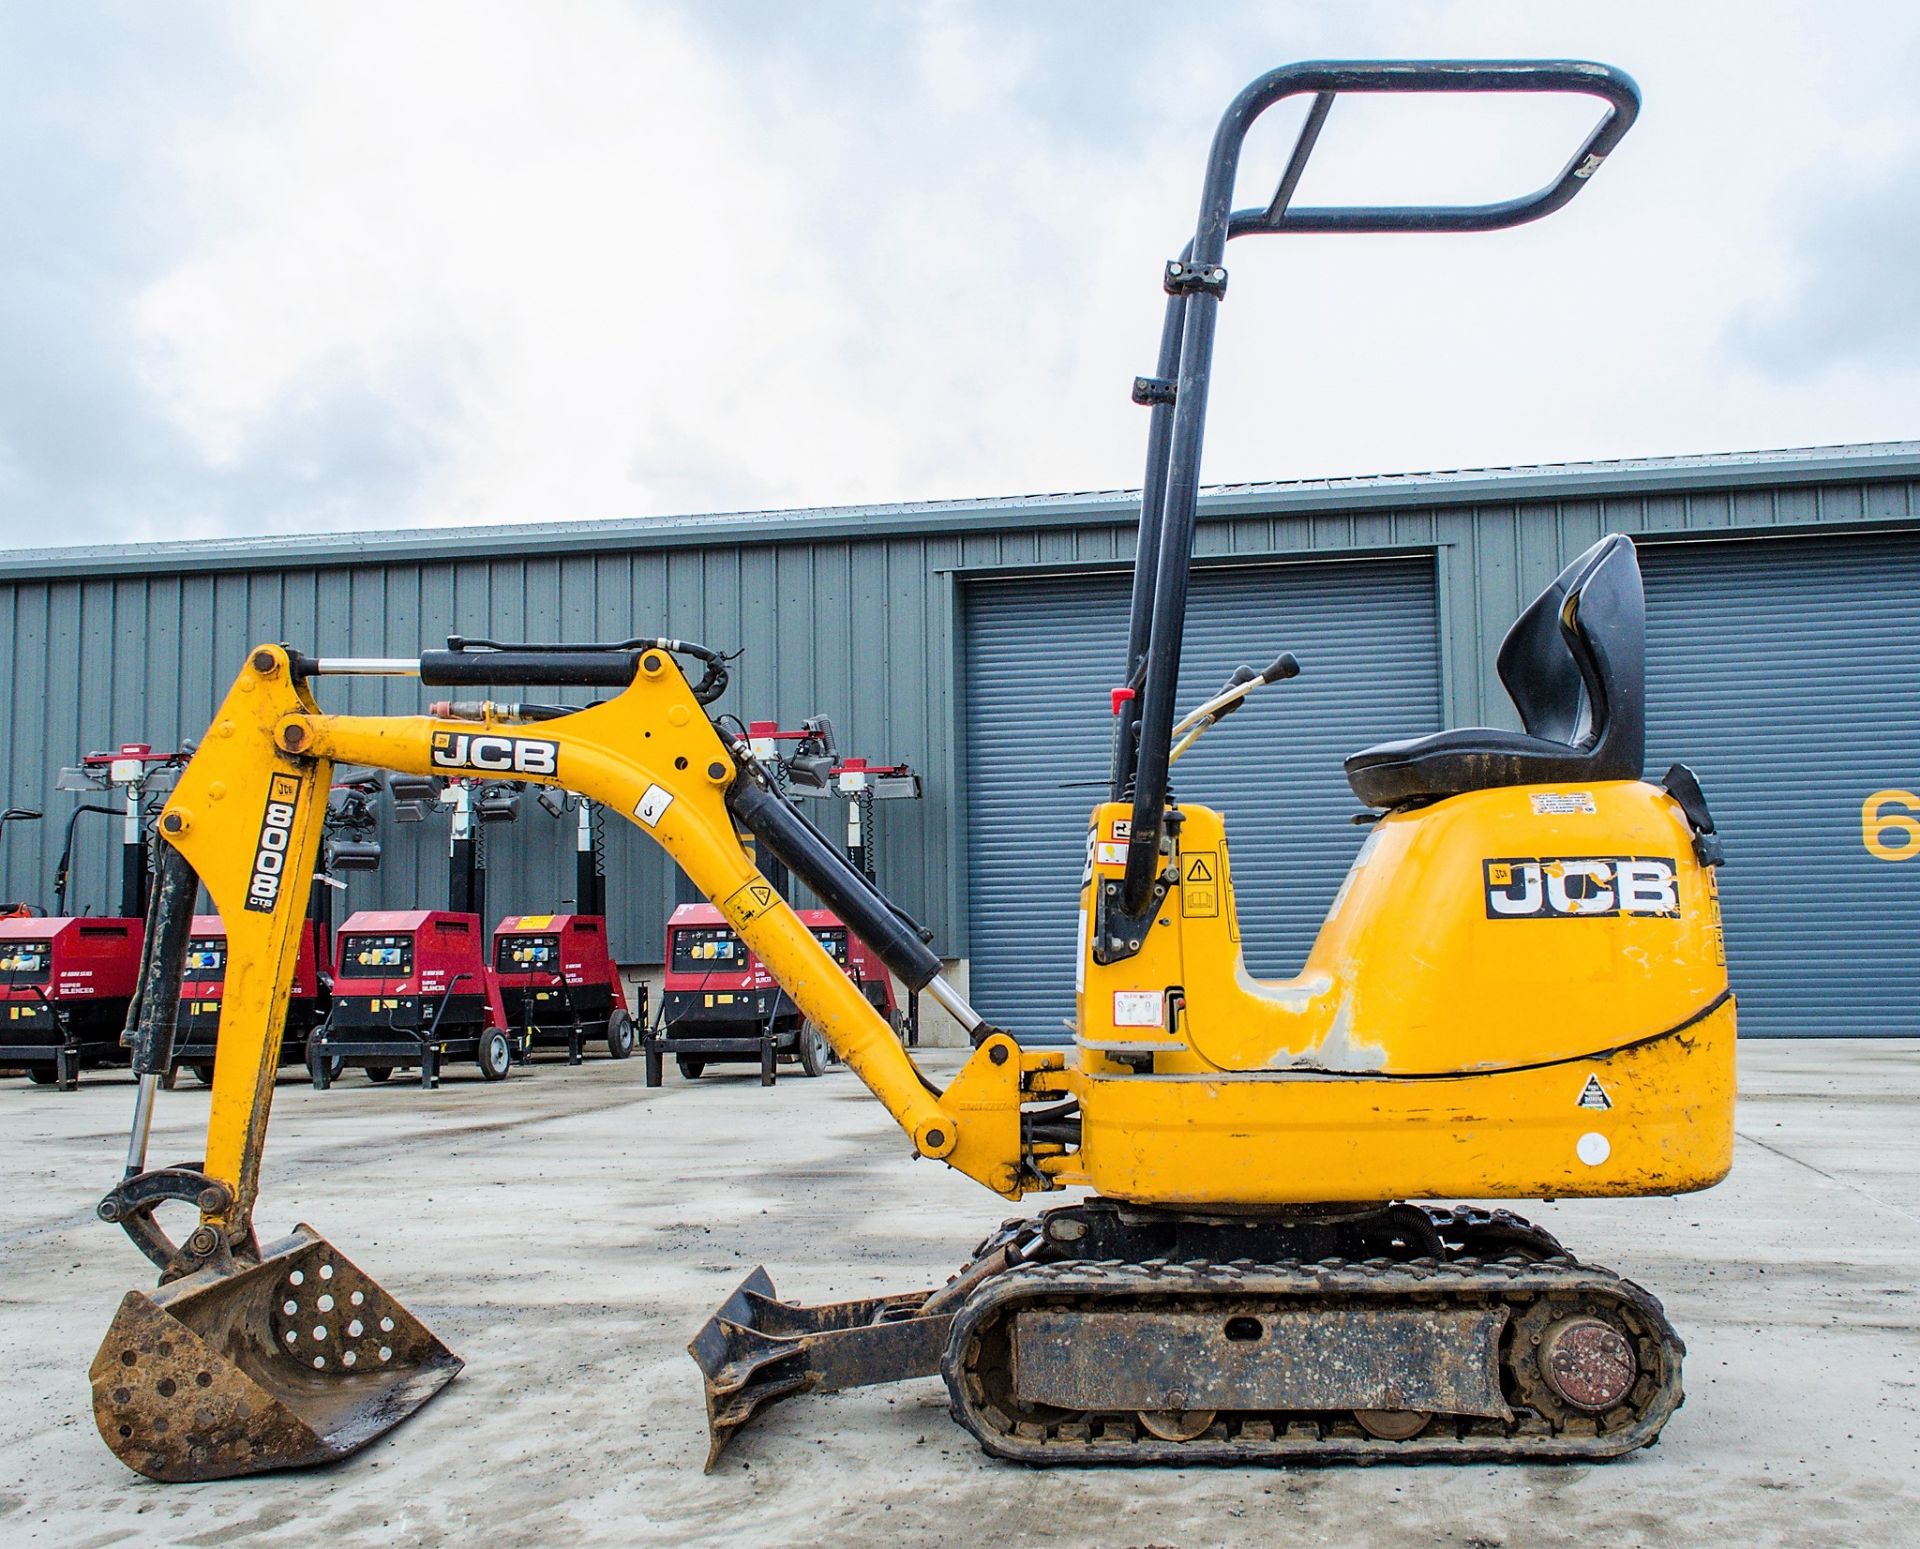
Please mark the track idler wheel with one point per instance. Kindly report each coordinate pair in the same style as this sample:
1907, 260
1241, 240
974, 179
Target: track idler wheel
1588, 1363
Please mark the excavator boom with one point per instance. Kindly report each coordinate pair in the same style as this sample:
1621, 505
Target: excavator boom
245, 822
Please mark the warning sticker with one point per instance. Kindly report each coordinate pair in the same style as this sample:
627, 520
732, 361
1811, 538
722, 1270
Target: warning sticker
1110, 854
1594, 1095
749, 902
1122, 829
1560, 804
1136, 1008
653, 806
1200, 884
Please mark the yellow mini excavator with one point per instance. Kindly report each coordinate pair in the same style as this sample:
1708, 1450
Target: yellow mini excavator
1519, 992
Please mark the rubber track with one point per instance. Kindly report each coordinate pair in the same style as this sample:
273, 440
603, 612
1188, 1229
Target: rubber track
1234, 1438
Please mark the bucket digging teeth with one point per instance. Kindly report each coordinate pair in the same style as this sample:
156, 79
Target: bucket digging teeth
756, 1349
297, 1360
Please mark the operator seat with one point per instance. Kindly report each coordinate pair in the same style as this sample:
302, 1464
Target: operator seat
1574, 665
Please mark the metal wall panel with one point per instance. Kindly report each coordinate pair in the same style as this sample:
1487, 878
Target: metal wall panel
1502, 555
847, 613
1786, 672
146, 658
1041, 656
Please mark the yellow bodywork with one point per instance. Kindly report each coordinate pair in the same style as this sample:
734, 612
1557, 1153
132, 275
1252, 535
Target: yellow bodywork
1430, 1048
1433, 1046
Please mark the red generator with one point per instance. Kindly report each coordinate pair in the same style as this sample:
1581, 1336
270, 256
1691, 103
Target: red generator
203, 980
411, 990
558, 983
66, 984
720, 1005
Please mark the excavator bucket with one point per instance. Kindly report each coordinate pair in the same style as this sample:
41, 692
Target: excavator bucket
299, 1359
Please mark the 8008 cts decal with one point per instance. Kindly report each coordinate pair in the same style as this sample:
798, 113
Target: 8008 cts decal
495, 755
1582, 887
270, 852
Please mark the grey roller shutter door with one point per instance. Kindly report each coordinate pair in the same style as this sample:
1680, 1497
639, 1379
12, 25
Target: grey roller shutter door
1787, 673
1041, 656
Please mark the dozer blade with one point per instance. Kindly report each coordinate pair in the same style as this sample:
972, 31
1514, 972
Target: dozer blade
756, 1349
296, 1360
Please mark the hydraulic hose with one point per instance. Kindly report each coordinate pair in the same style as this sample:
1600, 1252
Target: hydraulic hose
785, 831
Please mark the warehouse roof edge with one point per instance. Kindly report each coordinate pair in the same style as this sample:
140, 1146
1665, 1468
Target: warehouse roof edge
1547, 482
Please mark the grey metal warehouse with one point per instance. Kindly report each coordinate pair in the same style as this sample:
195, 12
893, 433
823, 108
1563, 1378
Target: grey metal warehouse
978, 640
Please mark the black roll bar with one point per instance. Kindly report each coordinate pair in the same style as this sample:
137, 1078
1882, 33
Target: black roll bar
1195, 283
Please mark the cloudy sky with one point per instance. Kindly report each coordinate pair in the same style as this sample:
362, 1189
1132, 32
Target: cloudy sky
283, 268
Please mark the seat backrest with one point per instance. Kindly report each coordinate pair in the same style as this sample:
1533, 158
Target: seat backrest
1575, 662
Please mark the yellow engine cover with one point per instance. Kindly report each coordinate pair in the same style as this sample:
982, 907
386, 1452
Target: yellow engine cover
1517, 992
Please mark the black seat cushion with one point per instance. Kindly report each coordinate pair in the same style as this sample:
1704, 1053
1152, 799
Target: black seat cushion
1467, 758
1574, 665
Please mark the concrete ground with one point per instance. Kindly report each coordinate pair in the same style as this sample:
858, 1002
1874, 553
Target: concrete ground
568, 1231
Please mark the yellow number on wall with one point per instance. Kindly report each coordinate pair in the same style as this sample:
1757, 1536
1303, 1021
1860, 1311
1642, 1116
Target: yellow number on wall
1891, 815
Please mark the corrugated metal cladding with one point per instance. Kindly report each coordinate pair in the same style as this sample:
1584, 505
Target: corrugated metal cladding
1787, 674
852, 614
146, 658
1041, 652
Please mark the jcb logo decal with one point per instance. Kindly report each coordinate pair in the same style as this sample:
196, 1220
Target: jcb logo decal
270, 854
495, 755
1890, 825
1582, 887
